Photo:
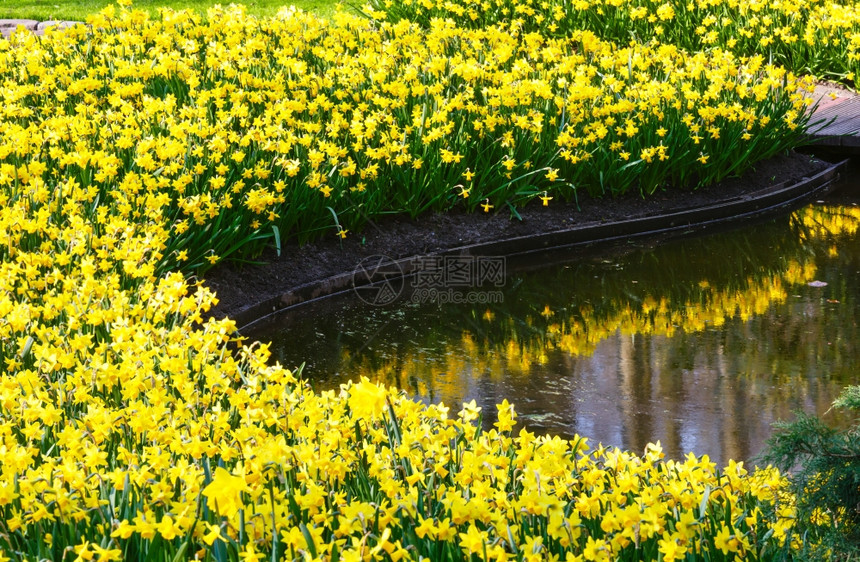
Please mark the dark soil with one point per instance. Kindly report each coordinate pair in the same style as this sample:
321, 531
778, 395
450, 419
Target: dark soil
240, 286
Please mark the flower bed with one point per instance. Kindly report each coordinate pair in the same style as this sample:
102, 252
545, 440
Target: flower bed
820, 37
254, 131
141, 151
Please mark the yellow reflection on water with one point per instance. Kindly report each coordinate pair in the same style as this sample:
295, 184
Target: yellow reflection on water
443, 374
701, 344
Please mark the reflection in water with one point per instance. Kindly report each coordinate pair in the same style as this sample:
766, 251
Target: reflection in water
700, 343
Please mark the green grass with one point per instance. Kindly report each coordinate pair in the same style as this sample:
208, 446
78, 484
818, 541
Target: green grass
78, 10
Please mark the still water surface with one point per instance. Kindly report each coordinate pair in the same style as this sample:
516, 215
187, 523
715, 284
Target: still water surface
700, 343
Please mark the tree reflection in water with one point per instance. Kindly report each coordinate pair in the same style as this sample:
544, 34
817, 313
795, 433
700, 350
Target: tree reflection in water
700, 343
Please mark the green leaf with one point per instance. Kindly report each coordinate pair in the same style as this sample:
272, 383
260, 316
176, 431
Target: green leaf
308, 539
277, 233
848, 399
180, 554
703, 505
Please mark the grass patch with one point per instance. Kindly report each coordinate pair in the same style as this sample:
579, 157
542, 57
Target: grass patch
74, 10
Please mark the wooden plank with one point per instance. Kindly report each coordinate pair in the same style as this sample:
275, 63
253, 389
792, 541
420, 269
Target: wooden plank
828, 105
844, 126
852, 141
826, 141
848, 108
836, 121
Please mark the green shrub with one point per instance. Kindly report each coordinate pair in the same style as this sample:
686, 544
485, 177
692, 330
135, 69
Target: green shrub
824, 463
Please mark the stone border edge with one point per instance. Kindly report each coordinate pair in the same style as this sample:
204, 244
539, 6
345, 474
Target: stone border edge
9, 26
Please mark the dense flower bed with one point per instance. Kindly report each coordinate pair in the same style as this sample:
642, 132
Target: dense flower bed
236, 131
137, 151
821, 37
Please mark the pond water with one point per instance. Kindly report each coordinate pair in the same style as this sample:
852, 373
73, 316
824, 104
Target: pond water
700, 342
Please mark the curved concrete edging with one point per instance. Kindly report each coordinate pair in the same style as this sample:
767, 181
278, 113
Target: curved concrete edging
764, 202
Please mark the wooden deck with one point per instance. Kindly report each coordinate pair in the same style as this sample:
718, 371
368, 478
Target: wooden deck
836, 120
